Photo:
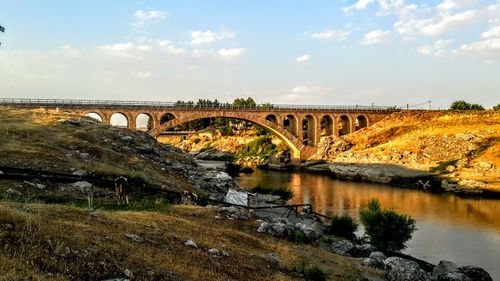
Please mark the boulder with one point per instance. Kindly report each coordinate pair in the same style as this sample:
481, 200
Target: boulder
133, 237
443, 268
213, 252
342, 247
448, 186
191, 243
454, 276
306, 230
376, 259
475, 273
279, 229
236, 213
399, 269
14, 192
470, 186
271, 258
362, 251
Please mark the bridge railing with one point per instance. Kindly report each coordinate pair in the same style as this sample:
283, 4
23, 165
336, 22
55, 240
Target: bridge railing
24, 102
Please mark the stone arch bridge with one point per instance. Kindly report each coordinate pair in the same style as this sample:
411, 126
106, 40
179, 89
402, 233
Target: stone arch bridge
300, 127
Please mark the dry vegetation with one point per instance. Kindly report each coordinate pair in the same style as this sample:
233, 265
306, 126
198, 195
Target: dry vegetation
425, 140
51, 242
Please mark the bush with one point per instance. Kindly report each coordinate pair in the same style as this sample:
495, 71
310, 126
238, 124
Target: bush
284, 192
497, 107
261, 147
312, 272
463, 105
343, 226
387, 230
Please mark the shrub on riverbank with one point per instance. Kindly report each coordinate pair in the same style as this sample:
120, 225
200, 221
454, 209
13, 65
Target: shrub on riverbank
284, 192
311, 272
261, 147
387, 230
343, 226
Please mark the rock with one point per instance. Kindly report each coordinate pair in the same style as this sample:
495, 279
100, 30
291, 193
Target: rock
475, 273
84, 155
233, 212
70, 121
307, 230
127, 138
450, 168
213, 252
191, 243
448, 186
362, 251
454, 276
213, 154
134, 238
82, 185
278, 228
375, 259
398, 269
1, 172
14, 192
128, 273
470, 186
257, 199
483, 165
443, 268
80, 173
271, 258
318, 228
342, 247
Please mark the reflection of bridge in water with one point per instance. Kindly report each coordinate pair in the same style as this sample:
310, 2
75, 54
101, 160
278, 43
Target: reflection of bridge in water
300, 127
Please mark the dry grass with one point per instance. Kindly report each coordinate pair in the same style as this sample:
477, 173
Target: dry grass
50, 242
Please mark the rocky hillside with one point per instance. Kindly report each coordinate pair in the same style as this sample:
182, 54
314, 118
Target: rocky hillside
458, 146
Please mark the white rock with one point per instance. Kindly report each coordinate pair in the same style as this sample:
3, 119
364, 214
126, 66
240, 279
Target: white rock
191, 243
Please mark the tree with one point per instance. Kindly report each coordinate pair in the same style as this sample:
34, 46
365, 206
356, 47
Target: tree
463, 105
497, 107
387, 230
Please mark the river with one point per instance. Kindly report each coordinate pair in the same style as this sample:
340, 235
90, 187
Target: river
463, 230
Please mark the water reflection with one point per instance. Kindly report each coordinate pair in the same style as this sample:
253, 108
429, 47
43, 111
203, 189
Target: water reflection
466, 230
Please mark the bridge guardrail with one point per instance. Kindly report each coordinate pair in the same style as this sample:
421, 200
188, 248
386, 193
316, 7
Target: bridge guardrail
24, 102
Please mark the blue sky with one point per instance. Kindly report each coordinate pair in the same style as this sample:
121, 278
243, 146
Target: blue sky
385, 52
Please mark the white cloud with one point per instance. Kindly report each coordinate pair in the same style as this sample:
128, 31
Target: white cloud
205, 37
449, 22
144, 48
141, 75
375, 37
305, 93
486, 49
359, 5
230, 53
328, 34
302, 59
167, 46
142, 17
119, 47
492, 32
437, 49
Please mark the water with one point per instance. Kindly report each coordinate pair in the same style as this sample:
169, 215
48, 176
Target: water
464, 230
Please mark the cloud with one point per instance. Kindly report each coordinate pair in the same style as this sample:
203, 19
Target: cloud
205, 37
167, 46
329, 34
230, 53
359, 5
141, 75
488, 49
305, 93
302, 59
449, 22
492, 32
119, 47
437, 49
375, 37
143, 17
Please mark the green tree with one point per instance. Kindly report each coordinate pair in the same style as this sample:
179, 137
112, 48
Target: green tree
460, 105
343, 226
496, 107
387, 230
476, 106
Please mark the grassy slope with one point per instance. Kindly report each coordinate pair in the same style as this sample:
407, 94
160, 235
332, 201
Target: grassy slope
36, 139
424, 139
53, 242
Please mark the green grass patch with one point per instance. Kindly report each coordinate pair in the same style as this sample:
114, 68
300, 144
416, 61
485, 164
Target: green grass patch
441, 167
311, 272
284, 192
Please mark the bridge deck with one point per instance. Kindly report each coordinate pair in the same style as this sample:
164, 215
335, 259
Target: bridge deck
109, 104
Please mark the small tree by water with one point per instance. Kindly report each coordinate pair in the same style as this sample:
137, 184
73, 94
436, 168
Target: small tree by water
387, 230
343, 226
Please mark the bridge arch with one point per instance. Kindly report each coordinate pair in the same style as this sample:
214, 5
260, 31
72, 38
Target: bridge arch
309, 130
119, 119
276, 129
95, 116
291, 124
273, 118
144, 121
327, 125
361, 122
344, 126
167, 116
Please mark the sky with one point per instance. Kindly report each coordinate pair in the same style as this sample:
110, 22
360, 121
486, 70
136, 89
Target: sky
331, 52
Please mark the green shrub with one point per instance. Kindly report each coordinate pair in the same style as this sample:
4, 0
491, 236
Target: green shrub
441, 167
311, 272
233, 169
497, 107
387, 230
463, 105
284, 192
261, 147
343, 226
